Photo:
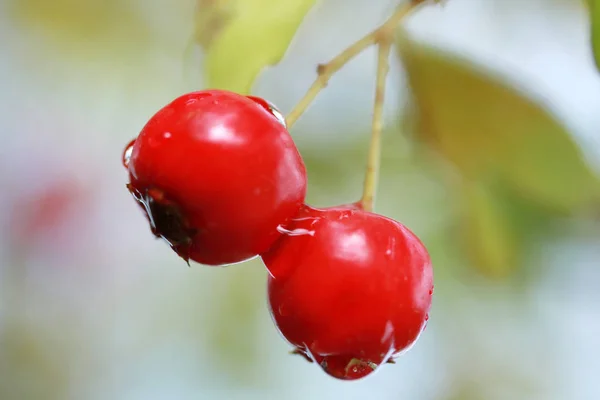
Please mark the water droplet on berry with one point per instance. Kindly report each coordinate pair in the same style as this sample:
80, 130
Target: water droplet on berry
426, 317
295, 232
389, 331
302, 353
270, 107
347, 368
283, 310
127, 153
312, 220
277, 114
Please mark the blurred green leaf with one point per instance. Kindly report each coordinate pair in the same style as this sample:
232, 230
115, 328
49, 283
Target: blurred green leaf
491, 241
210, 18
86, 24
486, 127
241, 37
233, 322
31, 363
595, 22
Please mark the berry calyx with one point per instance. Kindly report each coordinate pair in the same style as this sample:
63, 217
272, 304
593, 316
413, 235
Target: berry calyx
216, 173
348, 288
166, 220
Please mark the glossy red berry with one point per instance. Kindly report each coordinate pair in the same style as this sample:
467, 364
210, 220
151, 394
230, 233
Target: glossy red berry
348, 288
217, 173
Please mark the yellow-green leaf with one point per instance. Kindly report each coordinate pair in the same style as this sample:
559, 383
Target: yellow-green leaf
231, 329
487, 127
595, 24
241, 37
491, 242
83, 26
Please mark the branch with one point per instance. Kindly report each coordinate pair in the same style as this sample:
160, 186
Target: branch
326, 71
374, 158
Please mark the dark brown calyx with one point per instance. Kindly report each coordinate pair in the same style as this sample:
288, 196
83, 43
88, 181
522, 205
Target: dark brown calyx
166, 220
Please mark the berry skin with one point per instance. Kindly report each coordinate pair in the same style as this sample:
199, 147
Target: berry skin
217, 173
348, 288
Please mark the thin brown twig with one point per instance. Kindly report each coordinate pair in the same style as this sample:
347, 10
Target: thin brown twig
373, 160
326, 71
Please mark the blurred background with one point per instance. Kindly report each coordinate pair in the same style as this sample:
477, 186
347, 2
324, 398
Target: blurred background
491, 156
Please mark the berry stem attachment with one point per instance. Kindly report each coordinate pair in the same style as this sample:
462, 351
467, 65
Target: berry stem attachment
326, 71
374, 157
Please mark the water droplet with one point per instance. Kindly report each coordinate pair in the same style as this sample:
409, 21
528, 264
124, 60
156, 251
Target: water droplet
426, 317
312, 220
127, 154
303, 353
277, 114
389, 331
295, 232
270, 107
283, 310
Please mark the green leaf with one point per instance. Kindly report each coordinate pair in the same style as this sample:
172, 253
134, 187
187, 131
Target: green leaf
491, 242
231, 329
595, 23
81, 27
488, 128
32, 362
241, 37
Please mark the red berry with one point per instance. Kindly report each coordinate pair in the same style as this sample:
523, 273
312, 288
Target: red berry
217, 174
348, 288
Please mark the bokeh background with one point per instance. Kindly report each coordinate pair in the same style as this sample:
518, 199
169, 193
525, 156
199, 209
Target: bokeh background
492, 160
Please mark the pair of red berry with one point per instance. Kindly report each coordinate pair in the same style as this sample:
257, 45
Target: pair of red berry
221, 180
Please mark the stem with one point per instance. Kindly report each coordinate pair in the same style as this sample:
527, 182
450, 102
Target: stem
326, 71
374, 158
